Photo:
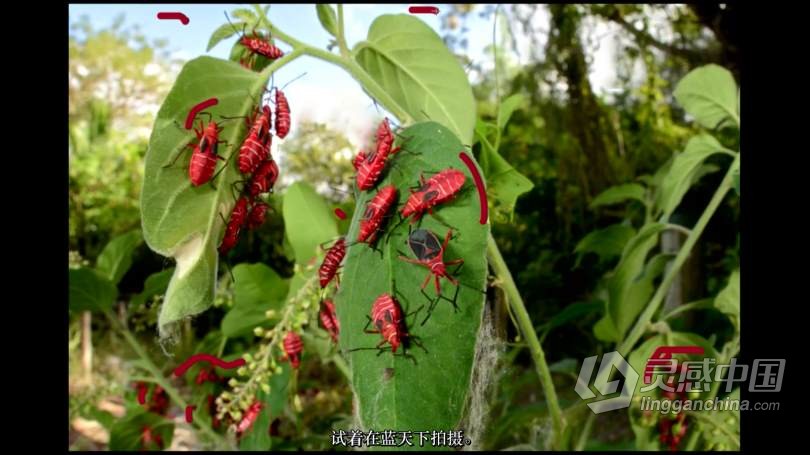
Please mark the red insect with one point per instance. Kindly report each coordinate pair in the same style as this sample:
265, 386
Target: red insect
386, 315
376, 210
257, 215
369, 167
148, 438
282, 115
331, 262
264, 178
440, 188
292, 349
429, 253
204, 158
329, 319
256, 146
251, 414
257, 44
206, 375
238, 216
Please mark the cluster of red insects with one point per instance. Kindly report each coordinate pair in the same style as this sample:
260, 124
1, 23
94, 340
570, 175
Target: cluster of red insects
386, 313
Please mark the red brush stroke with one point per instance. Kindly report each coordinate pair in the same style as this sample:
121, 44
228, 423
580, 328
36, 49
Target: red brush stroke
479, 183
423, 10
340, 214
189, 417
181, 370
194, 110
142, 393
170, 15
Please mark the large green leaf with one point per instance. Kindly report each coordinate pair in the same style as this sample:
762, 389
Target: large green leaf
709, 94
90, 291
116, 258
623, 306
126, 433
155, 284
308, 221
619, 193
224, 31
257, 288
683, 170
504, 183
605, 243
408, 60
431, 390
179, 220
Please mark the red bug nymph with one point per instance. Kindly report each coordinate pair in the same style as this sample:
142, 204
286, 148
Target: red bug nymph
237, 220
369, 167
439, 188
204, 158
329, 319
282, 115
386, 315
257, 215
292, 349
331, 262
264, 178
251, 414
256, 146
376, 210
430, 253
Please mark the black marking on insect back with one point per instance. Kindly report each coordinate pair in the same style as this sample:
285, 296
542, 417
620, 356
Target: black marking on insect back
424, 244
430, 195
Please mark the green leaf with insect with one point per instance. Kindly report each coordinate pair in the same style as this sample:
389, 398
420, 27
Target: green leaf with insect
257, 288
394, 391
90, 291
127, 433
394, 55
116, 258
182, 221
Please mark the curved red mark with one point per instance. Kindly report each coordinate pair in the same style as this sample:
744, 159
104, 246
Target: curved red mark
479, 183
189, 417
181, 370
142, 393
340, 213
423, 10
179, 16
194, 110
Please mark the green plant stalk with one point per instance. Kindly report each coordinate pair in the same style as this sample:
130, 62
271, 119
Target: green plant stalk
157, 377
643, 321
341, 35
348, 64
527, 331
586, 431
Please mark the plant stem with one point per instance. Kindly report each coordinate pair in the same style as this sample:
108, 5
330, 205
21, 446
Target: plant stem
345, 62
527, 331
341, 36
157, 377
641, 324
586, 431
